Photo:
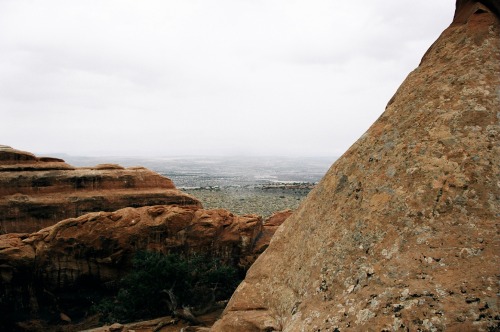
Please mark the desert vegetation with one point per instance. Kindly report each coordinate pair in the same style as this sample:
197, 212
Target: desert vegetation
169, 284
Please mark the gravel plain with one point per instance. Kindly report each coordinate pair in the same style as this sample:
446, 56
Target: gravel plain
260, 200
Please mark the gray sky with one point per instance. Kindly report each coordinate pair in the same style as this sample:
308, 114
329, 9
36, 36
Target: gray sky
218, 77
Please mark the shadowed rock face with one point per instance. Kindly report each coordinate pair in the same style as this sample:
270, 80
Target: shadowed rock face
38, 192
402, 232
58, 269
466, 7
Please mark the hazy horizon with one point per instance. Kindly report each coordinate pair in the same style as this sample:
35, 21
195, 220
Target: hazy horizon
165, 156
194, 78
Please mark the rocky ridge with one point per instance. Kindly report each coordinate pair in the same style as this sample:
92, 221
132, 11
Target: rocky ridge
58, 269
402, 232
36, 192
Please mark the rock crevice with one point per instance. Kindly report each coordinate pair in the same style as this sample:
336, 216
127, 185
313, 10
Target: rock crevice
59, 268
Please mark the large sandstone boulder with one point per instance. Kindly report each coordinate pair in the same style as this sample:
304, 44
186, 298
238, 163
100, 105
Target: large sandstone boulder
402, 232
38, 192
59, 268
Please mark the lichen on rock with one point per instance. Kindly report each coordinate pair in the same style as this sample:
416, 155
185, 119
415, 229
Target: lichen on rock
402, 232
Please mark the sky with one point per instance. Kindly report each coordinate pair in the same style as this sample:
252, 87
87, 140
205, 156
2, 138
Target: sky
199, 77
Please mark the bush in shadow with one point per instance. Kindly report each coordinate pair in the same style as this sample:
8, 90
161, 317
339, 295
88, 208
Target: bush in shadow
161, 284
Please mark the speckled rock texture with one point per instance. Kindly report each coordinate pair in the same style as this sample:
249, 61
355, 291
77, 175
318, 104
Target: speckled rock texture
36, 192
402, 233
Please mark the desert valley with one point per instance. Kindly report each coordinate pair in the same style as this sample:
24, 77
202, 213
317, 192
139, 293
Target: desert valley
400, 234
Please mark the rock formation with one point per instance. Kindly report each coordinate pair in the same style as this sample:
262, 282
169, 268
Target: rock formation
60, 266
38, 192
402, 232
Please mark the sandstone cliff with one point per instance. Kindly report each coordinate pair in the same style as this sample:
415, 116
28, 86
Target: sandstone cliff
402, 232
38, 192
59, 268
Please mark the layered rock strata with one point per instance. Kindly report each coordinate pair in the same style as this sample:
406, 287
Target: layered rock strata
402, 233
58, 268
38, 192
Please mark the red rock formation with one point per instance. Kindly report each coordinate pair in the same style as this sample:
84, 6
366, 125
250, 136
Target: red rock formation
271, 224
38, 192
44, 271
402, 232
262, 241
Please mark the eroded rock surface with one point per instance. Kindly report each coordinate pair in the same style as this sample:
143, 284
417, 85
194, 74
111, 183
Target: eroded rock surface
57, 268
403, 231
262, 241
38, 192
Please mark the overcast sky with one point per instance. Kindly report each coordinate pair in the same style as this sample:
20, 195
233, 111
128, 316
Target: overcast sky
207, 77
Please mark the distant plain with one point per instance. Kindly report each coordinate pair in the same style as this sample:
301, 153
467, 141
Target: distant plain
242, 185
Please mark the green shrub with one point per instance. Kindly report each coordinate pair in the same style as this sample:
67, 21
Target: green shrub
195, 282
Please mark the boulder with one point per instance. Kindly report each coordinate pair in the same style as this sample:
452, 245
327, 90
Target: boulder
402, 232
64, 265
38, 192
